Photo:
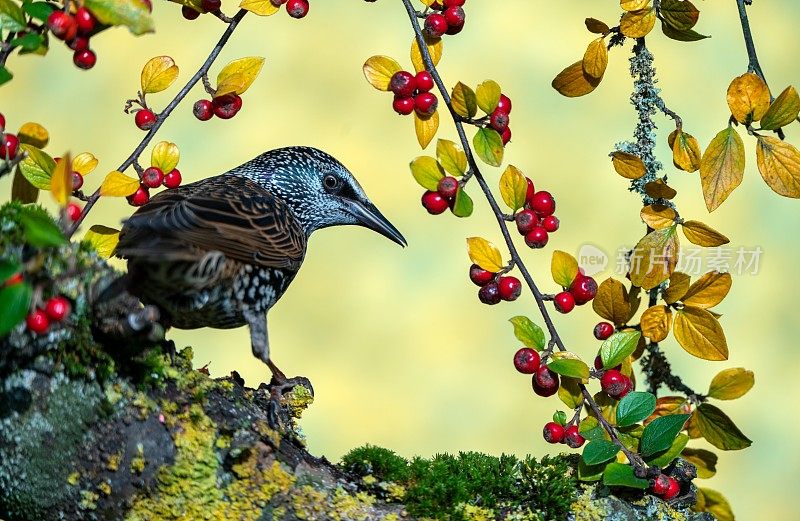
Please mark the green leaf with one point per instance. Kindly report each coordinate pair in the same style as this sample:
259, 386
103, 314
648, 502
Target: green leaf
659, 434
452, 158
133, 14
568, 364
681, 35
37, 168
29, 42
560, 417
38, 10
528, 333
488, 95
463, 204
665, 457
465, 103
680, 14
718, 429
782, 111
621, 475
8, 268
618, 347
591, 429
635, 407
489, 146
5, 75
14, 301
11, 17
427, 172
590, 472
40, 230
599, 451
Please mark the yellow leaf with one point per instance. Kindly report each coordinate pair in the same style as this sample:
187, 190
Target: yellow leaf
427, 172
33, 134
452, 158
596, 26
703, 235
686, 152
779, 164
638, 24
484, 254
158, 74
569, 392
61, 182
165, 156
709, 290
563, 267
488, 95
634, 5
700, 334
103, 239
704, 460
573, 82
435, 49
238, 75
117, 184
655, 322
426, 128
716, 504
658, 189
657, 216
748, 98
730, 384
464, 101
379, 71
84, 163
595, 59
260, 7
628, 165
654, 258
611, 302
722, 167
513, 188
678, 286
782, 111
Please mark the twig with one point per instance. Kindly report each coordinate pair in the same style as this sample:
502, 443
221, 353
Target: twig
165, 113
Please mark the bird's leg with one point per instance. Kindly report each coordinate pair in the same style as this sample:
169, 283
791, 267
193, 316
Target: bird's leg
279, 384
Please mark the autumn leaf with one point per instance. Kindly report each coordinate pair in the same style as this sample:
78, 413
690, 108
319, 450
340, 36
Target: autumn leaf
722, 167
779, 164
435, 49
686, 152
748, 98
658, 189
596, 26
237, 76
711, 501
37, 167
657, 216
513, 188
704, 460
488, 146
165, 156
655, 322
378, 70
464, 101
260, 7
595, 59
103, 239
709, 290
703, 234
782, 111
654, 258
33, 134
61, 181
678, 286
488, 95
564, 268
158, 74
452, 158
634, 5
133, 14
700, 334
730, 384
628, 165
427, 172
117, 184
84, 163
426, 128
611, 301
484, 254
638, 24
573, 81
680, 14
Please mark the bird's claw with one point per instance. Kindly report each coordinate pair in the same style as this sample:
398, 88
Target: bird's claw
280, 415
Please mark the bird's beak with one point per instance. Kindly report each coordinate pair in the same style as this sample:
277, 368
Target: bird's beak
370, 217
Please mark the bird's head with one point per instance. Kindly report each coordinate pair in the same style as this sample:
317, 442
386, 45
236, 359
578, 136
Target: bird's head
320, 191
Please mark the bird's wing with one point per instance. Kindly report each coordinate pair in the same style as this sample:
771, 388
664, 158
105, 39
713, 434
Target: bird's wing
230, 214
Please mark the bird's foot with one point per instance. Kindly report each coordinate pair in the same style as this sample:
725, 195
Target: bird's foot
289, 397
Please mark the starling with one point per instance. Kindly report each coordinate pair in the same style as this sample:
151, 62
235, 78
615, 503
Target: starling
220, 252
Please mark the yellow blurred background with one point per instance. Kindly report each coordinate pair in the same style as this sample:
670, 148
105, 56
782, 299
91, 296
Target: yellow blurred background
399, 349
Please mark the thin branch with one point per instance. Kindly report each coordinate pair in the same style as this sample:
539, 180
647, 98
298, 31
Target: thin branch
5, 50
753, 65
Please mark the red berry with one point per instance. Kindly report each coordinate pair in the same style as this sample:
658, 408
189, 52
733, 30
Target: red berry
504, 104
14, 279
85, 20
543, 203
545, 382
37, 321
489, 294
526, 220
531, 190
550, 223
628, 386
57, 308
62, 25
211, 5
225, 107
613, 383
660, 485
455, 17
583, 288
499, 121
145, 119
173, 179
84, 59
479, 276
564, 302
403, 106
424, 81
403, 84
434, 203
2, 122
510, 288
506, 136
448, 187
203, 109
152, 177
453, 3
537, 237
189, 13
297, 8
73, 212
9, 146
79, 43
572, 437
425, 104
435, 25
603, 330
527, 360
553, 432
139, 197
673, 489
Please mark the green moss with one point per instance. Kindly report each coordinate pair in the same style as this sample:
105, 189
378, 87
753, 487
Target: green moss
381, 463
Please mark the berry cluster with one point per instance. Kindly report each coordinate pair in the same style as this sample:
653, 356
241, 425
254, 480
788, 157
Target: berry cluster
153, 177
536, 221
582, 290
9, 144
500, 120
555, 432
295, 8
75, 30
412, 93
443, 198
495, 287
224, 107
56, 309
448, 18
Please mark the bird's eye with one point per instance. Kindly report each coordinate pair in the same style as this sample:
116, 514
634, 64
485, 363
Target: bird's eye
332, 183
